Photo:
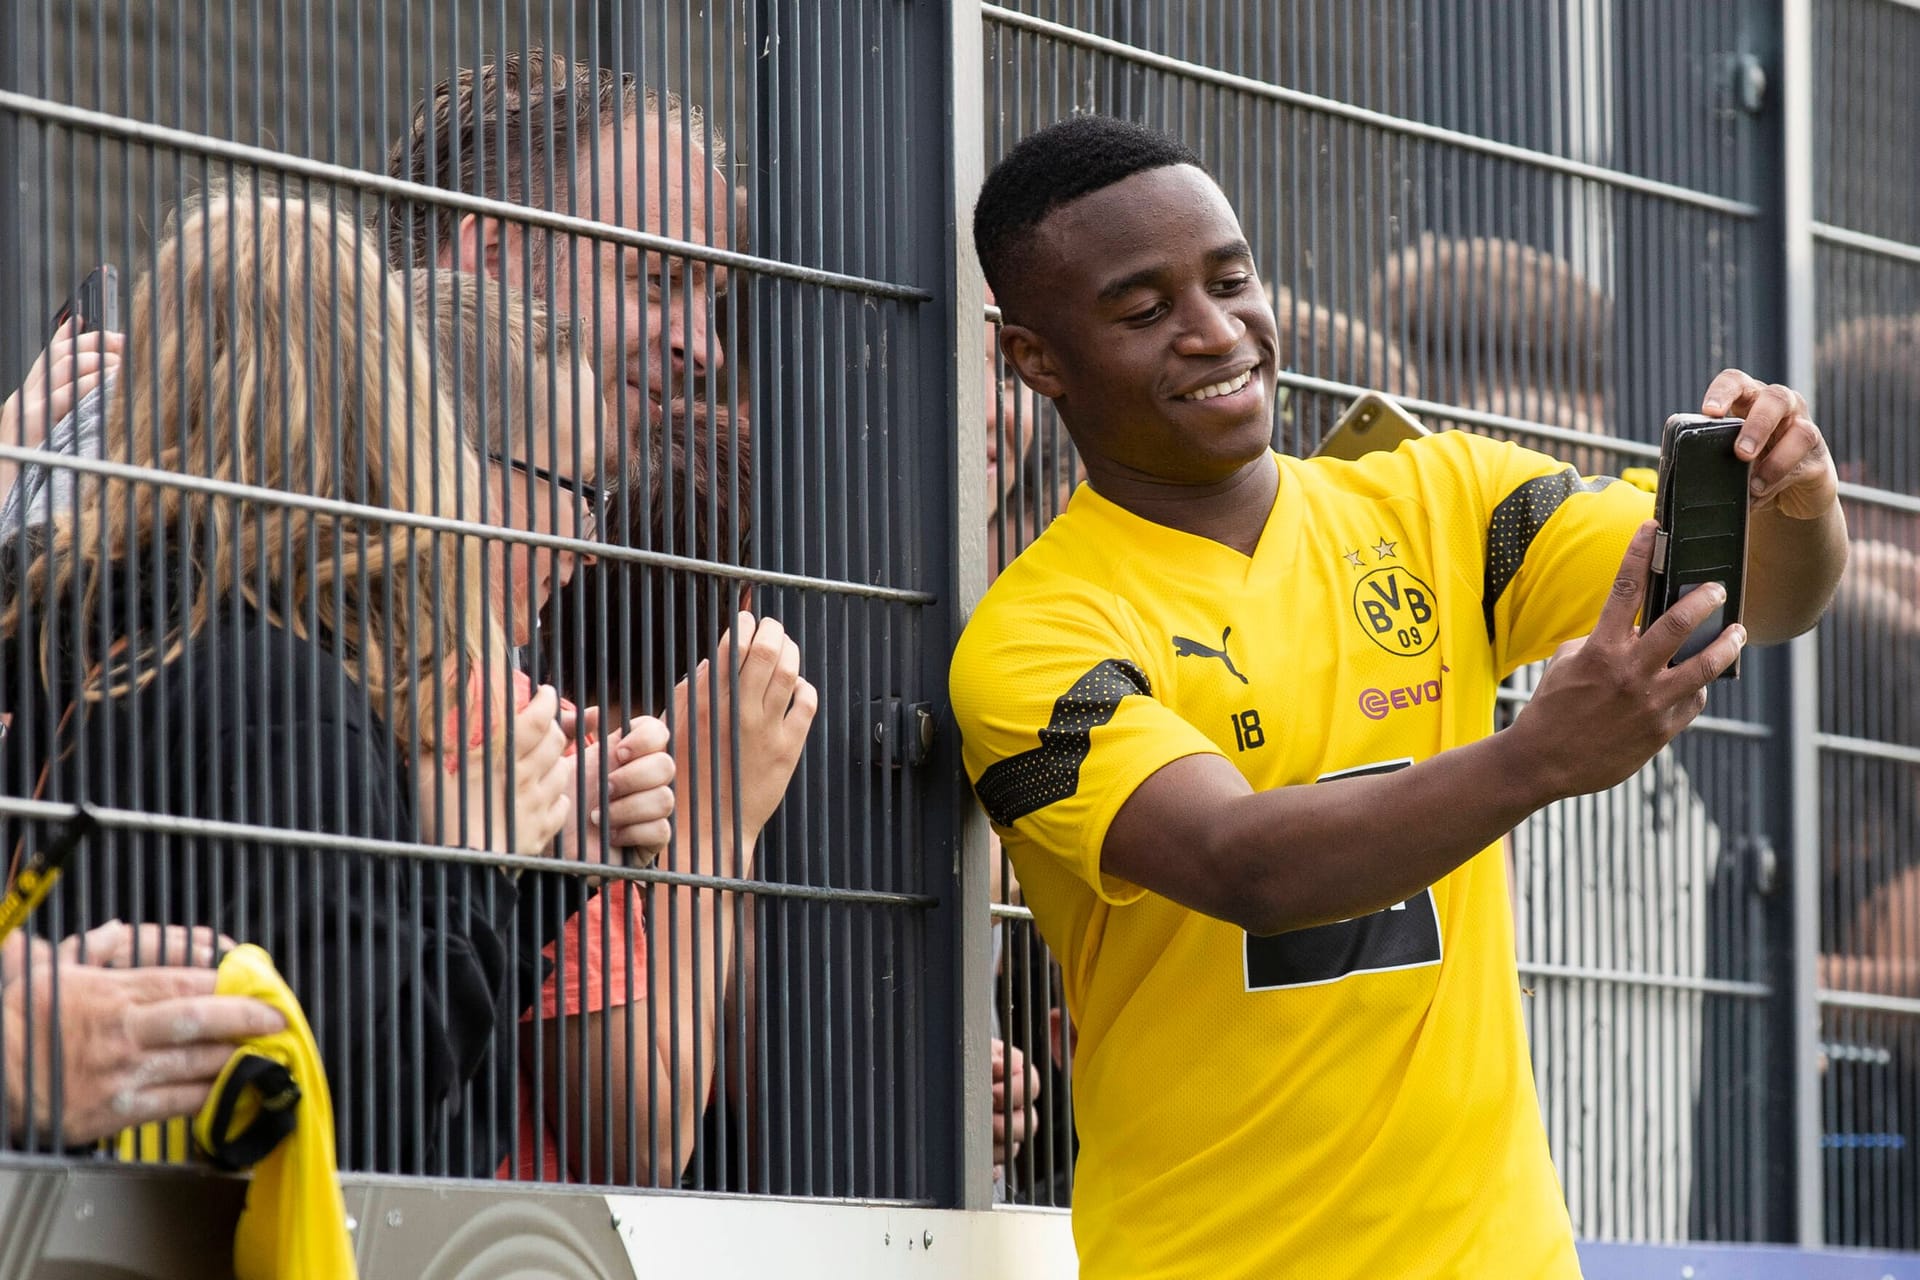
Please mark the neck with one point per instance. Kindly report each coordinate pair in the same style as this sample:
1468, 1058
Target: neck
1231, 512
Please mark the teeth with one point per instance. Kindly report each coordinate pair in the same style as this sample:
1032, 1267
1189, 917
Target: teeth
1226, 388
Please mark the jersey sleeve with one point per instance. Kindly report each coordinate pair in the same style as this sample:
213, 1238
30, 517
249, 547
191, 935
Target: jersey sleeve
1059, 726
1554, 540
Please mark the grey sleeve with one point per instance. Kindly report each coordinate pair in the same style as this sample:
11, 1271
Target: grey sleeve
41, 492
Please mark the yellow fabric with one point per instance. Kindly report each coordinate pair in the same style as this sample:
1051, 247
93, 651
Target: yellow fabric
1308, 1105
294, 1223
161, 1142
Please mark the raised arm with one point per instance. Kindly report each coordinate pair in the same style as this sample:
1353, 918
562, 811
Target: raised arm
1274, 861
691, 948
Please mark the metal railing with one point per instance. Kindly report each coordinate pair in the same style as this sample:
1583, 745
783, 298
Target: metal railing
1550, 221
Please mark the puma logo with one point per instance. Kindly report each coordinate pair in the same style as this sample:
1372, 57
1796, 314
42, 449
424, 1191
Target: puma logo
1185, 648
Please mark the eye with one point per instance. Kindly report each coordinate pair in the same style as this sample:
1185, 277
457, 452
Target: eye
1233, 284
1141, 319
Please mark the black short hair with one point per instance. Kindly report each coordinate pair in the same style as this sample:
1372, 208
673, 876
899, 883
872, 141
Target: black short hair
1057, 166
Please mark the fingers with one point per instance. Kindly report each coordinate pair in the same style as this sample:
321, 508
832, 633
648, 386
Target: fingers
1796, 458
1730, 394
139, 990
640, 821
784, 681
759, 658
202, 1019
541, 747
1623, 601
579, 726
159, 1102
648, 773
538, 722
117, 944
1663, 638
1780, 438
80, 360
1703, 668
806, 701
645, 736
1767, 407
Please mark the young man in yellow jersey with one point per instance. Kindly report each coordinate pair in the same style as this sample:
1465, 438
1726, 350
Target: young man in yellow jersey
1232, 715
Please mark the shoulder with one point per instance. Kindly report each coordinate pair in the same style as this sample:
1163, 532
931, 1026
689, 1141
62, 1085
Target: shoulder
1043, 602
248, 674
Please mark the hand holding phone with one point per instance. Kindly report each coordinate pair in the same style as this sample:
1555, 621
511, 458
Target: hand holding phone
1701, 505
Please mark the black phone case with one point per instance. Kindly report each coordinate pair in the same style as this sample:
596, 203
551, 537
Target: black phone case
1700, 504
96, 302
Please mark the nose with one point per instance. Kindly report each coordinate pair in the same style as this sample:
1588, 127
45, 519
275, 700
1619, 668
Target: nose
564, 563
1211, 327
690, 331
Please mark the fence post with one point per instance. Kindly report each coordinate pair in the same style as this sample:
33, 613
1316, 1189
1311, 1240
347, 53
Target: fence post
1787, 1191
1803, 711
965, 294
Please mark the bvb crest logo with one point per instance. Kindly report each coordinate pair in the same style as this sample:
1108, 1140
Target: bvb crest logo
1397, 610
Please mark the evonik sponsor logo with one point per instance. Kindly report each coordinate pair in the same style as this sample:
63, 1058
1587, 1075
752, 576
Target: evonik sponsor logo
1378, 704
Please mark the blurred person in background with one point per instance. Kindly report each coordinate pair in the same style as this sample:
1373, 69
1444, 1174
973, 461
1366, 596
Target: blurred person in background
1869, 379
302, 670
1321, 342
1621, 880
600, 987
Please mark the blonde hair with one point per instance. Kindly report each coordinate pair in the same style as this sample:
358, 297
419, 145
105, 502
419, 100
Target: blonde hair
494, 345
282, 356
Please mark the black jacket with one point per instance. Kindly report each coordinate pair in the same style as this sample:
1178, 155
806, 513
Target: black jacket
408, 970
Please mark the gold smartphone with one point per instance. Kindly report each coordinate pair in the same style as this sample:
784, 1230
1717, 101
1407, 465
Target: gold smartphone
1371, 423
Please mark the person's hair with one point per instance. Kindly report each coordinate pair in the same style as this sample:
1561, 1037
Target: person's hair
1506, 318
712, 519
1867, 376
515, 130
274, 352
494, 345
1053, 167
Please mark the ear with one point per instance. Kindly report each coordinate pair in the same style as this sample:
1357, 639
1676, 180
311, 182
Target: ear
485, 245
1029, 355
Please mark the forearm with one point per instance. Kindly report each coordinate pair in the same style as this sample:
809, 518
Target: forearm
1794, 567
1345, 848
691, 932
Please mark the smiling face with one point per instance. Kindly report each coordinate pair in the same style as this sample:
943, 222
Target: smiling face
653, 330
1145, 322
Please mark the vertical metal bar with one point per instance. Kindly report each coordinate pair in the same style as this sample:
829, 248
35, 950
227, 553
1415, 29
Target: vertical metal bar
970, 1184
1803, 710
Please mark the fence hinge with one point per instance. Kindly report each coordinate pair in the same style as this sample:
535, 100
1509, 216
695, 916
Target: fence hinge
902, 733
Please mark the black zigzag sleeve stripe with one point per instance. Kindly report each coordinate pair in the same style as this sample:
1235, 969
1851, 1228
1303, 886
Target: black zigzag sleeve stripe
1032, 780
1517, 521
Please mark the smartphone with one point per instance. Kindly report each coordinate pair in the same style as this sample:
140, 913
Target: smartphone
1700, 504
96, 302
1371, 423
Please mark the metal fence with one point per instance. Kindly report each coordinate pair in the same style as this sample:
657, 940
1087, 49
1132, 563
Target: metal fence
1550, 221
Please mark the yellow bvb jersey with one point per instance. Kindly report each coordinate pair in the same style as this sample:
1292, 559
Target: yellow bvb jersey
1353, 1099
